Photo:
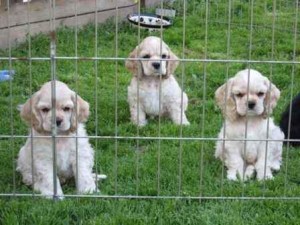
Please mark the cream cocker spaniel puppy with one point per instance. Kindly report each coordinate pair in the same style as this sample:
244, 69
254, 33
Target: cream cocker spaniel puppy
37, 113
153, 89
249, 103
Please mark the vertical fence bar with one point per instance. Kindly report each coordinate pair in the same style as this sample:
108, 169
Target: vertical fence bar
138, 111
271, 75
159, 117
116, 96
251, 4
96, 92
291, 94
204, 99
226, 91
53, 93
11, 142
30, 91
76, 88
182, 88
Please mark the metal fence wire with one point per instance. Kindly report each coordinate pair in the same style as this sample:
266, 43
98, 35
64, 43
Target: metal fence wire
213, 41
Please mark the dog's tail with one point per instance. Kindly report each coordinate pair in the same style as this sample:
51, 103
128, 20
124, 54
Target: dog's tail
19, 107
99, 176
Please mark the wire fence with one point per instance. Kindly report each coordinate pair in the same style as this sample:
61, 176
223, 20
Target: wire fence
160, 160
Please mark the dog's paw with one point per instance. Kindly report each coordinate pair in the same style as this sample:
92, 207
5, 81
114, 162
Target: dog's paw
99, 177
231, 175
185, 123
140, 123
249, 172
264, 176
89, 189
54, 197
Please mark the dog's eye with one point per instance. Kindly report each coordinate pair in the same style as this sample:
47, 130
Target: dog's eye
163, 56
45, 110
239, 95
260, 94
67, 109
146, 56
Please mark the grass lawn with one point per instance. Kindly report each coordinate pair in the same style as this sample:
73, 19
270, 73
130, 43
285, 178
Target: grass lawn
159, 167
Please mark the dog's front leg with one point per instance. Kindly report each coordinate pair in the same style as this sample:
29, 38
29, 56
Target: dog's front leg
85, 180
44, 180
235, 164
138, 116
178, 116
262, 166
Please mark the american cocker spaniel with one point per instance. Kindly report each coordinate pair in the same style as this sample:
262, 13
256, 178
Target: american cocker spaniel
35, 160
153, 89
246, 101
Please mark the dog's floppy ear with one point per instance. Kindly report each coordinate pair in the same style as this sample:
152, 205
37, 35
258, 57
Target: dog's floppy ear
82, 111
29, 114
172, 64
271, 98
132, 65
225, 100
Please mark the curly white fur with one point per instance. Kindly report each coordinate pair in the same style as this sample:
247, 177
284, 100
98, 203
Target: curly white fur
37, 112
153, 89
250, 104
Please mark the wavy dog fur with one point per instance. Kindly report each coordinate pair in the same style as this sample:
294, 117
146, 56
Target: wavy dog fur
249, 98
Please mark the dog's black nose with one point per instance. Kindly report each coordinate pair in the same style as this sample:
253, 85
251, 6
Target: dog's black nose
156, 65
58, 121
251, 105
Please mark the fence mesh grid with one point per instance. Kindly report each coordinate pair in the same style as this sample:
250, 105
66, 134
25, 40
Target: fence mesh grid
160, 160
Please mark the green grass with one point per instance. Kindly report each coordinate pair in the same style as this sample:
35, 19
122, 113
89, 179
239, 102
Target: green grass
199, 173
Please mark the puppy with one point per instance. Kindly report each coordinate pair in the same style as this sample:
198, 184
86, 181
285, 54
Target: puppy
153, 89
248, 105
71, 112
295, 121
